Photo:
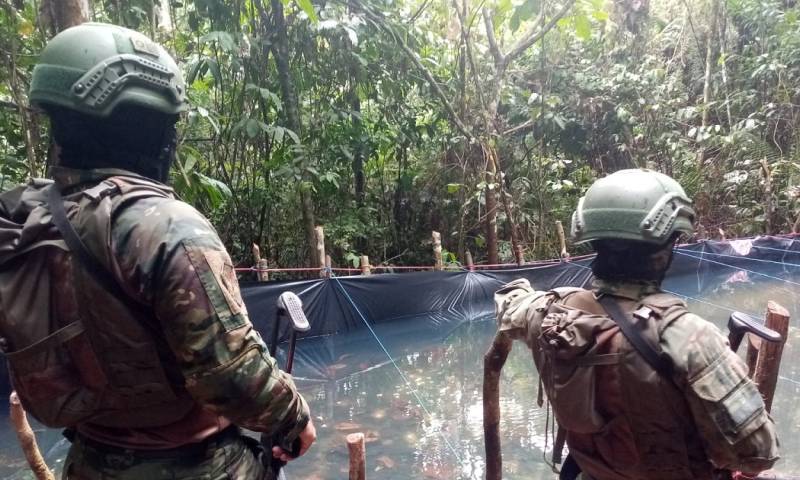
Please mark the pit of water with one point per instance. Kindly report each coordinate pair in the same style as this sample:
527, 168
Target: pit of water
429, 425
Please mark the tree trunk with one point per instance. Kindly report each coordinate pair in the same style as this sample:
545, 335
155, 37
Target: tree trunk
491, 216
280, 50
358, 152
309, 222
770, 209
59, 15
710, 56
358, 160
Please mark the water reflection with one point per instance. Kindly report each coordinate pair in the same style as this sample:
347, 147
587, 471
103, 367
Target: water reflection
439, 435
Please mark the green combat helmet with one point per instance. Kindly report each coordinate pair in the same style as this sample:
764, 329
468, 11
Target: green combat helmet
94, 67
635, 204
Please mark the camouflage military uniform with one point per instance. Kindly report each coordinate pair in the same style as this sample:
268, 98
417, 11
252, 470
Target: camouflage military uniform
708, 415
169, 259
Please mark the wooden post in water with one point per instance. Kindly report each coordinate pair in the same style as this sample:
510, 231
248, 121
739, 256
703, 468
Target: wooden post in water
261, 265
769, 355
319, 233
493, 362
366, 268
27, 439
519, 255
470, 264
437, 251
562, 240
358, 456
753, 346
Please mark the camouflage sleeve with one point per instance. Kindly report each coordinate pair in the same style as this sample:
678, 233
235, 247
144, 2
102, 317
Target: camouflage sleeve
174, 258
510, 308
726, 406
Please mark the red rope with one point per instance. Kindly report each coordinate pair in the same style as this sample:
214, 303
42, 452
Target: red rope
552, 261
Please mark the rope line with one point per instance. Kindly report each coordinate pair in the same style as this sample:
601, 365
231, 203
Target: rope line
782, 250
740, 257
790, 380
399, 371
738, 268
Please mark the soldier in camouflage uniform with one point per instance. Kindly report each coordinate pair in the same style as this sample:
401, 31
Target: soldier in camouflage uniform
690, 411
154, 371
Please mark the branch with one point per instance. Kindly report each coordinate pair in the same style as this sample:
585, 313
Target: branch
9, 105
532, 36
496, 53
522, 127
381, 23
465, 36
419, 11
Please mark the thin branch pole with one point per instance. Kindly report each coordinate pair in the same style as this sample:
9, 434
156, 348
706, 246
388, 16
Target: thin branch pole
493, 363
27, 440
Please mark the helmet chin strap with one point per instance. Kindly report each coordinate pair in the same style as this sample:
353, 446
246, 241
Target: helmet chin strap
628, 260
83, 143
166, 156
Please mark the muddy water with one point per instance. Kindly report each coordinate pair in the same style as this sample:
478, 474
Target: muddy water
435, 431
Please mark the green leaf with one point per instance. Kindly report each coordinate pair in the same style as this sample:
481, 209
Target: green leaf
307, 7
527, 9
515, 21
213, 65
252, 128
223, 39
453, 187
583, 27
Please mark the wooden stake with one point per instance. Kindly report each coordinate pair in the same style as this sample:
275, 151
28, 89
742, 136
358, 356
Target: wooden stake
769, 355
328, 264
366, 268
493, 363
437, 251
470, 265
27, 440
261, 265
358, 456
562, 240
319, 233
519, 255
753, 345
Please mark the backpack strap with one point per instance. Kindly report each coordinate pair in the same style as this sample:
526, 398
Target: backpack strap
92, 265
656, 359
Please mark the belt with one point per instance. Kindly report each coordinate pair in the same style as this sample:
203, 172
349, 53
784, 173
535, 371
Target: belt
197, 449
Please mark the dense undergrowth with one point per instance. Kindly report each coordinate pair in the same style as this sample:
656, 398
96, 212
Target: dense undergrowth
386, 119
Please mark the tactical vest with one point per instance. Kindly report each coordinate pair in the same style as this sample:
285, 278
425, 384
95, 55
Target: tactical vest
623, 419
77, 353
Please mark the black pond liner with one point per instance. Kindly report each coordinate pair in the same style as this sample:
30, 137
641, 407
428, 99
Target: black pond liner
409, 307
405, 307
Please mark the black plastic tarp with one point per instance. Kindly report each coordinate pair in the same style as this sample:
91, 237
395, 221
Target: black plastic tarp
413, 307
428, 305
449, 297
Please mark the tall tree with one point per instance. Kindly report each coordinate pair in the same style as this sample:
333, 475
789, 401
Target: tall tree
58, 15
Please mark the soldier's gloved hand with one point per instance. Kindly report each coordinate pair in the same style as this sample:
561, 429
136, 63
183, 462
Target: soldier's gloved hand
307, 437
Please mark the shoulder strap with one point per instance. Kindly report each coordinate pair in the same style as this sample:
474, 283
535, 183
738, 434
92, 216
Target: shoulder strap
651, 355
92, 265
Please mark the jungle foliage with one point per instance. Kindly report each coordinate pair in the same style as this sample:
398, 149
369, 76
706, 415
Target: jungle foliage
386, 119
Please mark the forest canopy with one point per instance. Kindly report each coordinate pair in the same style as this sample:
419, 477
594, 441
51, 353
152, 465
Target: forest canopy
383, 120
